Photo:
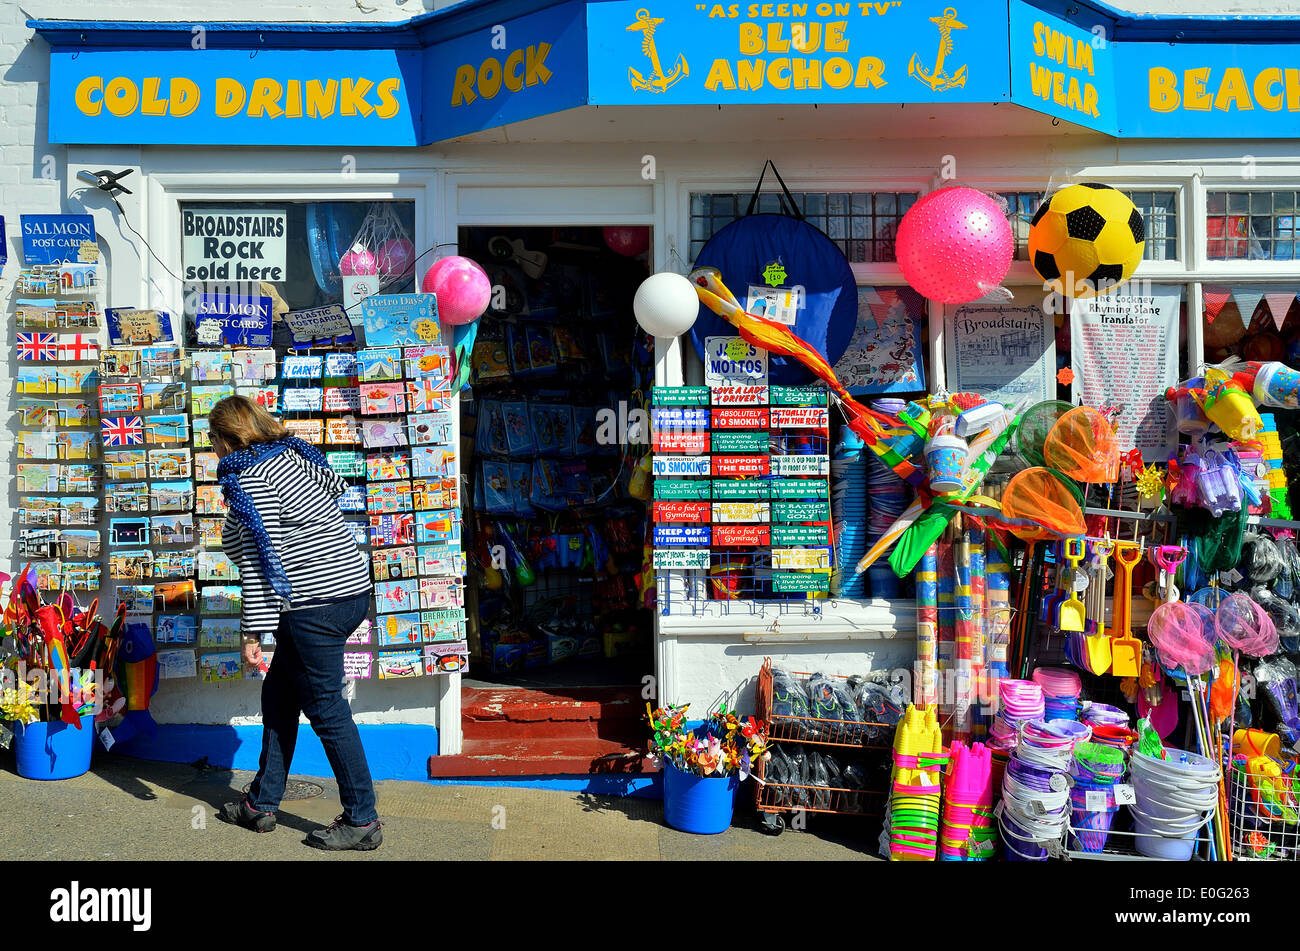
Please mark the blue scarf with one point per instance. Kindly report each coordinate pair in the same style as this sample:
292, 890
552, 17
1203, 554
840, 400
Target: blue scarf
245, 512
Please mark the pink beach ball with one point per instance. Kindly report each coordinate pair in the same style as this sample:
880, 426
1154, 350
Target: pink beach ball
462, 288
955, 245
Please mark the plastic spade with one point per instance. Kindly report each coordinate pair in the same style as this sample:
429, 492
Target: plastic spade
1098, 650
1126, 650
1073, 615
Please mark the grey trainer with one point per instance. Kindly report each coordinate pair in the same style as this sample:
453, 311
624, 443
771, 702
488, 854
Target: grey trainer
243, 814
340, 836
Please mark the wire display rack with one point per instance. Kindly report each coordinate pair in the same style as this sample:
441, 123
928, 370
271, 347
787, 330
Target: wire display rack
1263, 815
866, 740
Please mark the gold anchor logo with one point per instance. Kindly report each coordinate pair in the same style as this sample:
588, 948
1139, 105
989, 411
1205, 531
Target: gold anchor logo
937, 79
658, 82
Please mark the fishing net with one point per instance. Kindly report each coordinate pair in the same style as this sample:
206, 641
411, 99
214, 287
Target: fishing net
1243, 625
1082, 445
382, 246
1176, 631
1036, 505
1035, 424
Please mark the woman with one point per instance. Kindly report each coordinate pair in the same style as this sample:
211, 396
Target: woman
305, 581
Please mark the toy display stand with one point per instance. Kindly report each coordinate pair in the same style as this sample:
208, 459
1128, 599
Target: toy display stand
775, 800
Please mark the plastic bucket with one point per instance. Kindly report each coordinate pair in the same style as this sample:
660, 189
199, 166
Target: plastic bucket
53, 750
1091, 827
699, 804
1152, 843
1018, 848
944, 456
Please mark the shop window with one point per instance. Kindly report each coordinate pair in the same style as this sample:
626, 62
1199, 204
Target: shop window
863, 224
1160, 213
1020, 211
1251, 322
309, 263
1251, 225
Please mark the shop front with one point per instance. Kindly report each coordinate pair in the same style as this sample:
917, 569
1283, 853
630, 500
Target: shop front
572, 149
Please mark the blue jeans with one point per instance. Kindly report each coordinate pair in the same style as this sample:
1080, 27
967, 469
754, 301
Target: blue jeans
306, 676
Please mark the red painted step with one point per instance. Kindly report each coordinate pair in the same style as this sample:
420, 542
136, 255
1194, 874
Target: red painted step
540, 757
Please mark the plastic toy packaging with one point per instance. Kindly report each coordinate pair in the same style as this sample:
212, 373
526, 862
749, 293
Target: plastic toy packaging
1285, 616
517, 344
829, 699
878, 703
492, 429
541, 347
799, 767
789, 698
1287, 582
497, 497
547, 438
575, 483
1218, 482
562, 421
519, 429
819, 775
584, 430
521, 488
1278, 677
547, 486
1262, 559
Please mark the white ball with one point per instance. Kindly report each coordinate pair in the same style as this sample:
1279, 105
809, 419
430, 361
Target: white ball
666, 305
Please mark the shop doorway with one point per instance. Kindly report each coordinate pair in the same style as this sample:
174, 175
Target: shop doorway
555, 532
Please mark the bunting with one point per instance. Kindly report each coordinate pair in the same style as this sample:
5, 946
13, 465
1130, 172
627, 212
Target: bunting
1279, 302
1216, 296
1247, 299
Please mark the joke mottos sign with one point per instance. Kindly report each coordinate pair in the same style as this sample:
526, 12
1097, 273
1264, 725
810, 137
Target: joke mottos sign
234, 244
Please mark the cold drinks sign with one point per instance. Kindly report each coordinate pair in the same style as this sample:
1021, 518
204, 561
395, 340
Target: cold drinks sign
233, 244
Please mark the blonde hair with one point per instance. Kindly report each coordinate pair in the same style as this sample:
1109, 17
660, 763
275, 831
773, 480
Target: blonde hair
241, 423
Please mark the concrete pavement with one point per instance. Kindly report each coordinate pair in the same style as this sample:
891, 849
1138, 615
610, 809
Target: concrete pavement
138, 810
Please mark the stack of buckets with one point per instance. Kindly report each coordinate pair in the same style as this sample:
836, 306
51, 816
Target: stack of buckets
1019, 701
849, 514
1060, 692
968, 834
888, 501
1096, 769
1035, 791
1176, 796
1109, 725
919, 759
1280, 507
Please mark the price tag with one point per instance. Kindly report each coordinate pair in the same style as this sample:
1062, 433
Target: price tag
1095, 800
1124, 795
106, 738
925, 779
1059, 782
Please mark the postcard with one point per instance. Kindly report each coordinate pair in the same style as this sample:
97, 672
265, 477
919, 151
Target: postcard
392, 529
448, 658
78, 444
433, 461
265, 395
169, 463
204, 396
176, 629
353, 499
303, 368
127, 497
210, 365
359, 530
253, 365
441, 593
37, 346
136, 325
209, 500
400, 319
79, 478
37, 380
438, 527
48, 576
390, 564
363, 633
358, 666
216, 566
403, 595
130, 565
78, 347
176, 496
381, 365
342, 399
445, 624
399, 665
74, 412
382, 399
120, 398
202, 433
81, 576
437, 560
311, 429
173, 564
423, 396
399, 630
435, 493
78, 511
138, 598
39, 477
209, 530
346, 462
38, 543
205, 466
126, 463
382, 433
429, 363
298, 399
43, 413
74, 544
218, 632
167, 429
340, 366
429, 429
77, 379
120, 361
388, 497
388, 465
221, 599
160, 362
219, 668
175, 596
176, 664
128, 532
172, 529
344, 431
165, 394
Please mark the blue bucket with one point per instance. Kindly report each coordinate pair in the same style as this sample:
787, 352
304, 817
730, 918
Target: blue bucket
699, 804
53, 750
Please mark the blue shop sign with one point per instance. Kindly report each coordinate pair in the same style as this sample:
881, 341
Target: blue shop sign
233, 319
55, 239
